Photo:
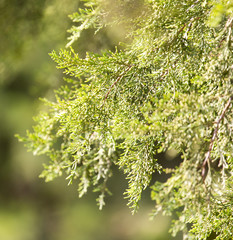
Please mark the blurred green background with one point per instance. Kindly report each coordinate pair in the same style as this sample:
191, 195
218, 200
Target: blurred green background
31, 209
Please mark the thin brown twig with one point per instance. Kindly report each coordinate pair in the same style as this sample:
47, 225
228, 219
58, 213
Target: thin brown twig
189, 24
207, 158
174, 38
117, 80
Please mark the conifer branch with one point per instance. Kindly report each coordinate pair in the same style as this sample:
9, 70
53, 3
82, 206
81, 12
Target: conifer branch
205, 165
179, 31
117, 80
159, 74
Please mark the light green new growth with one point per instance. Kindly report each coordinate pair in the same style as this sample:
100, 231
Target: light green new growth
170, 88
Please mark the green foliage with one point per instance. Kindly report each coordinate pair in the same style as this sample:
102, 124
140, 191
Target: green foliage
86, 17
170, 88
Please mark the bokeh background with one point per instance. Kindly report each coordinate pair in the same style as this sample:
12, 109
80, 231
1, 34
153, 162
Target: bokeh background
31, 209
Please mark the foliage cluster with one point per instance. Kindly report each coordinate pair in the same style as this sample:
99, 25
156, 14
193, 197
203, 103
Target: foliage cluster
170, 88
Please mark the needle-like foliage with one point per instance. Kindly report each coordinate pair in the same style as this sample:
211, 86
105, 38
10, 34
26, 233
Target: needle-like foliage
170, 88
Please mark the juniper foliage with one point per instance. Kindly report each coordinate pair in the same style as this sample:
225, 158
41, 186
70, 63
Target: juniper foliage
169, 88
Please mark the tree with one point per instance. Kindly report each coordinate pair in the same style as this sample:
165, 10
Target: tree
170, 87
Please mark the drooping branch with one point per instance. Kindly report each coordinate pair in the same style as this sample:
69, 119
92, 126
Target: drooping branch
208, 154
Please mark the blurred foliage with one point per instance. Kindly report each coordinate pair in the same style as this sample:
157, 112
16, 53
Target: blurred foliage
30, 209
220, 10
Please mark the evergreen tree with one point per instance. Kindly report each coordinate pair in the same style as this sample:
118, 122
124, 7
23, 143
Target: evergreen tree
170, 87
